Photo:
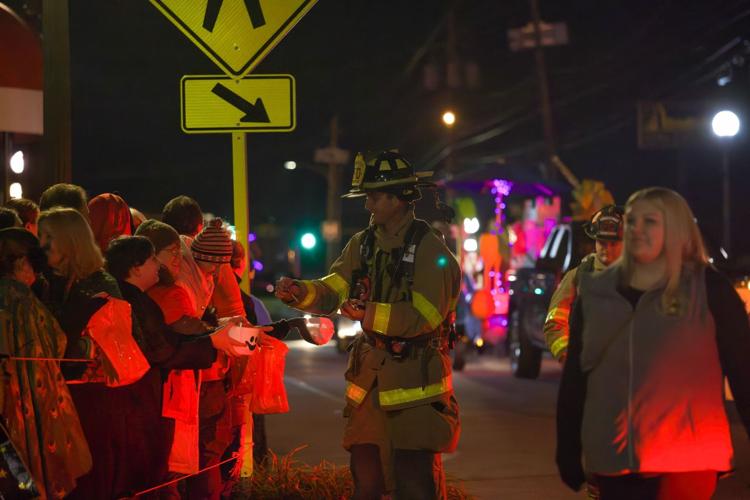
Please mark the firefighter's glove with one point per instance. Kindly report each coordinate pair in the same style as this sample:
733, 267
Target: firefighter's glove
290, 291
353, 309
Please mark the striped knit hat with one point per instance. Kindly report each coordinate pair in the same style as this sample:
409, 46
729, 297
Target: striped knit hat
213, 244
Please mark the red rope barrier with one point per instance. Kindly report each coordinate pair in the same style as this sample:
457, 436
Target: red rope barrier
21, 358
163, 485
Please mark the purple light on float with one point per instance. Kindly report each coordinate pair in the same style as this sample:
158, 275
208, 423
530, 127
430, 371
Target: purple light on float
500, 189
251, 237
257, 265
502, 186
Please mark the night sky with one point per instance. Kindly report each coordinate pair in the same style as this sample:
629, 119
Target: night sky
365, 61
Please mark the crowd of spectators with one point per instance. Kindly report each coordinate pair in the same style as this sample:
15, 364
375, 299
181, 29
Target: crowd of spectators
114, 382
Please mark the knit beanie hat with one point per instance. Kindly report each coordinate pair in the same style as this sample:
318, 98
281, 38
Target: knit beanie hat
213, 244
161, 235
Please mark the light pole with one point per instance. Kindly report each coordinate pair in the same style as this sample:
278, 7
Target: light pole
725, 125
448, 118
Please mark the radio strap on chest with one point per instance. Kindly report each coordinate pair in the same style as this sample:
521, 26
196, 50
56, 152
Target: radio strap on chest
401, 262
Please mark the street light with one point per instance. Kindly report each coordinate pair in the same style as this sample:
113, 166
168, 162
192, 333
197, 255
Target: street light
725, 125
290, 165
449, 118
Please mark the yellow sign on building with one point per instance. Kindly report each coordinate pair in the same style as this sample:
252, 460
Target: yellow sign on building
235, 34
256, 103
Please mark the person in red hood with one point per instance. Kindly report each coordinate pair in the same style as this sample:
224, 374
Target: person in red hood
109, 217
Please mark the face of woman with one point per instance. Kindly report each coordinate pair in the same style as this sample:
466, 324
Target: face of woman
644, 231
171, 258
47, 242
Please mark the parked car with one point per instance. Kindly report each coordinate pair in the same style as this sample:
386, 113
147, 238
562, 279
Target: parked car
531, 289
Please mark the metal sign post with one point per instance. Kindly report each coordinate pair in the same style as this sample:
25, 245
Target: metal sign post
241, 209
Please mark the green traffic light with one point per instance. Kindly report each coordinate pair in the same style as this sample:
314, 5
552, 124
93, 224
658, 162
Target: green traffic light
308, 241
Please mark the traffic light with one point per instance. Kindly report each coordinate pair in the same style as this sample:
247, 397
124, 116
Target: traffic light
308, 241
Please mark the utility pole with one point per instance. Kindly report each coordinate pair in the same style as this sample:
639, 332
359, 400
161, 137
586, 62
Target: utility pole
333, 202
726, 213
334, 158
453, 80
57, 91
541, 73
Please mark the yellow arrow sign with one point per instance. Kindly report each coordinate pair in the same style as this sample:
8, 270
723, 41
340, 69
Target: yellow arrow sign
235, 34
256, 103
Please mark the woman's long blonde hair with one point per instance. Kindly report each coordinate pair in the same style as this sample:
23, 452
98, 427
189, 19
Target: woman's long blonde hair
74, 240
683, 243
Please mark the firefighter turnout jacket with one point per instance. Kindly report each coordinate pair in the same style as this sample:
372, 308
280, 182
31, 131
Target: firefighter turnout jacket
556, 328
409, 309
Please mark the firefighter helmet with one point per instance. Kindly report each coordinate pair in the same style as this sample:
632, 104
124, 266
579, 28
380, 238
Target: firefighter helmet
606, 224
387, 171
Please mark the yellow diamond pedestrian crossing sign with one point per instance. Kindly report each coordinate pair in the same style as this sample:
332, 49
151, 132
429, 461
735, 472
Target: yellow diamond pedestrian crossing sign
235, 34
256, 103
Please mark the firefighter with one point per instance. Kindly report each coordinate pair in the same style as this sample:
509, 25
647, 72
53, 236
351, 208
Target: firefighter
605, 228
398, 278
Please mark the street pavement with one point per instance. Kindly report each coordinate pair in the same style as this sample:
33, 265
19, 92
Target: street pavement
508, 439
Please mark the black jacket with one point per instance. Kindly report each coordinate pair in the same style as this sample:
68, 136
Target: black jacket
163, 347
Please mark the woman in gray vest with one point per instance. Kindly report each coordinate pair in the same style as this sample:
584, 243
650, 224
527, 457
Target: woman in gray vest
640, 408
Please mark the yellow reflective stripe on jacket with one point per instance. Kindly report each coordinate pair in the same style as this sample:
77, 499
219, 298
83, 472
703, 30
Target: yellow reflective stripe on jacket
558, 346
338, 284
551, 315
400, 396
381, 317
427, 310
309, 296
355, 392
560, 313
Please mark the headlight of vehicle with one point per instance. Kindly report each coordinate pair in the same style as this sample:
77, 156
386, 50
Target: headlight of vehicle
347, 328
